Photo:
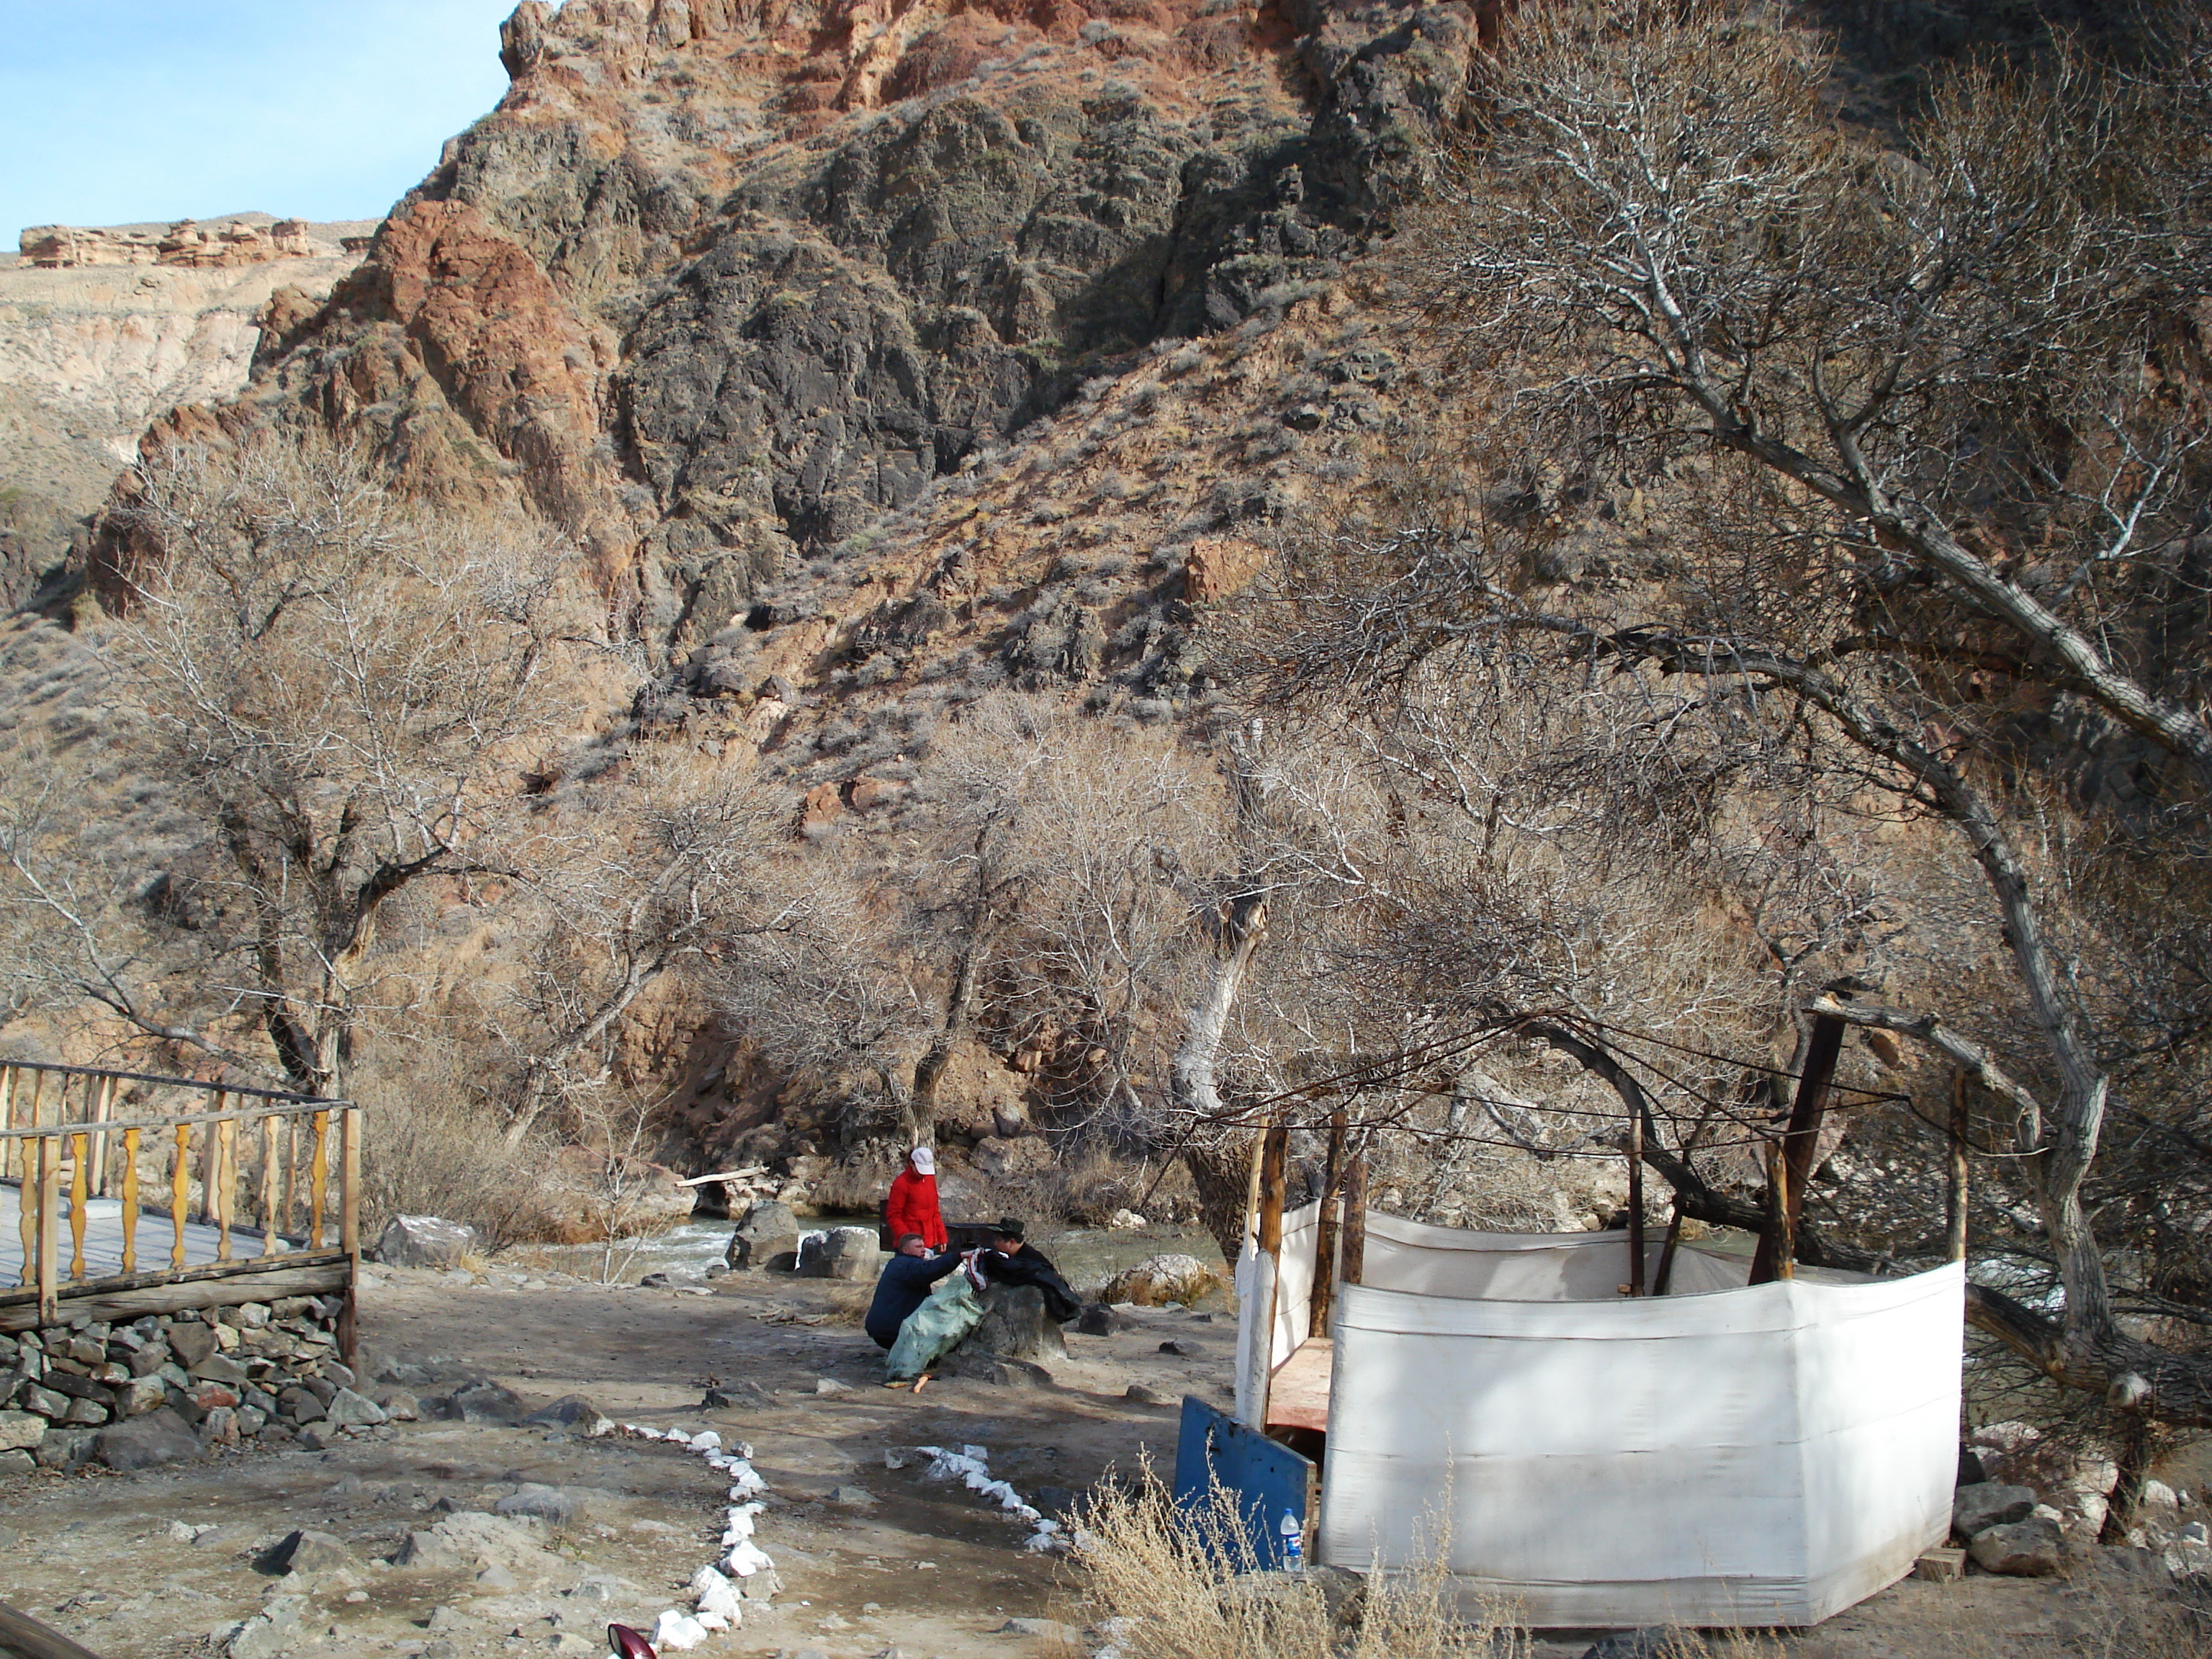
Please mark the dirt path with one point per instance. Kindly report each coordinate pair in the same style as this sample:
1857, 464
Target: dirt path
872, 1558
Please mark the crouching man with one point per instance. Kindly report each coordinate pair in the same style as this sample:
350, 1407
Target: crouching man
905, 1285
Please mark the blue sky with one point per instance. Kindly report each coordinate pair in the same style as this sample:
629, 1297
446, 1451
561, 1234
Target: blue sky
113, 111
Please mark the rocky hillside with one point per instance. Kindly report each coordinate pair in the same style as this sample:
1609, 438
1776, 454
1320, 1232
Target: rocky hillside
103, 329
722, 286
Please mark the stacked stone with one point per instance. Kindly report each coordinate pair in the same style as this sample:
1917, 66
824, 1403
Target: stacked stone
172, 1386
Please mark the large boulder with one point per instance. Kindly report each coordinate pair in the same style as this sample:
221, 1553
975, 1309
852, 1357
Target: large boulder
1015, 1326
2024, 1549
841, 1253
158, 1438
1990, 1503
424, 1241
1160, 1281
769, 1230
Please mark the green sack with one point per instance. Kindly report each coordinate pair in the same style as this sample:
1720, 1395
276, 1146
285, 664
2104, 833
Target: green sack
932, 1330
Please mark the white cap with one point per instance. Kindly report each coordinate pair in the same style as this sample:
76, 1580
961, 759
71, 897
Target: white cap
925, 1161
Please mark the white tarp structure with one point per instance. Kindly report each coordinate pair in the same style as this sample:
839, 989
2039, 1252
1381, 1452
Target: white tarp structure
1724, 1454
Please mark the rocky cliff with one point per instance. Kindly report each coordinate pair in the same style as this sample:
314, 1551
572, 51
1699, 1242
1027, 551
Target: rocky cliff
723, 287
102, 331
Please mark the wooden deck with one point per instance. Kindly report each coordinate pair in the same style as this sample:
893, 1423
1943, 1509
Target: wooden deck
251, 1177
156, 1240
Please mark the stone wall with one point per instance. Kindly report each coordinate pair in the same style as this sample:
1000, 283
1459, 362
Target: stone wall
170, 1386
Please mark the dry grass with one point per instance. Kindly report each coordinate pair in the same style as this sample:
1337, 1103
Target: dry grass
1164, 1585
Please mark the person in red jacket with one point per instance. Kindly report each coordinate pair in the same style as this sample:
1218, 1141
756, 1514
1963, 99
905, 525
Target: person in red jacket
912, 1206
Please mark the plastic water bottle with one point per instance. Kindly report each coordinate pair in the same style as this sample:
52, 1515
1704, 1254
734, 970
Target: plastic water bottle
1294, 1544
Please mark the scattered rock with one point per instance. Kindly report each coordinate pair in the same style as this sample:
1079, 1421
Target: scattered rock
1655, 1642
831, 1385
348, 1410
1160, 1281
1051, 1628
1990, 1503
306, 1552
485, 1402
270, 1632
1174, 1348
1138, 1394
570, 1411
424, 1241
846, 1253
852, 1497
732, 1396
16, 1461
553, 1503
2024, 1549
1099, 1319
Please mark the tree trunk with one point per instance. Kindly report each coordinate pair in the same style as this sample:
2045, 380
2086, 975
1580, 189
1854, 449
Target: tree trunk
920, 1116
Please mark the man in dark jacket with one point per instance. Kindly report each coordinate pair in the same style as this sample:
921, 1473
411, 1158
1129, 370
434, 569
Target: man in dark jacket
905, 1286
1010, 1261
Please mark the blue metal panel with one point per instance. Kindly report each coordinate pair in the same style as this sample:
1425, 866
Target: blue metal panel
1263, 1479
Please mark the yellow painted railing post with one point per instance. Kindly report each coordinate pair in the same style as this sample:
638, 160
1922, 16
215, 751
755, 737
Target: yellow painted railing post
50, 1207
180, 1187
130, 1200
79, 1187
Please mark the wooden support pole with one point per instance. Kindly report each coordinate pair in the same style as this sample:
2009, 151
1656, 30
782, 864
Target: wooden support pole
1793, 1166
23, 1635
8, 1119
103, 1103
1275, 1161
1351, 1249
1665, 1276
1954, 1195
1635, 1202
349, 1229
1324, 1279
210, 1156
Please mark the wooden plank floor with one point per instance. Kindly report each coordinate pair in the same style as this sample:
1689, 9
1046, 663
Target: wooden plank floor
103, 1240
1298, 1397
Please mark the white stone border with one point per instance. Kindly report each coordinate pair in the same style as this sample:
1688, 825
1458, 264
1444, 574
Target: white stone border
717, 1607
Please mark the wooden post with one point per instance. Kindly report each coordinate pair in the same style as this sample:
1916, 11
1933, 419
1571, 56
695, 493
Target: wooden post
1324, 1283
1665, 1276
226, 1187
1351, 1251
27, 1213
49, 1216
80, 1184
319, 1175
131, 1201
1793, 1167
268, 1186
1635, 1202
349, 1229
180, 1187
103, 1101
7, 1118
1274, 1157
1954, 1195
210, 1155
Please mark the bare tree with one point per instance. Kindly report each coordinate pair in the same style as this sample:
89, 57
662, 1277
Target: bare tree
338, 691
1948, 504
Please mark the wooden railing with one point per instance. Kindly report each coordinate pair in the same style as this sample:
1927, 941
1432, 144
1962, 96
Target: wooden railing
256, 1160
